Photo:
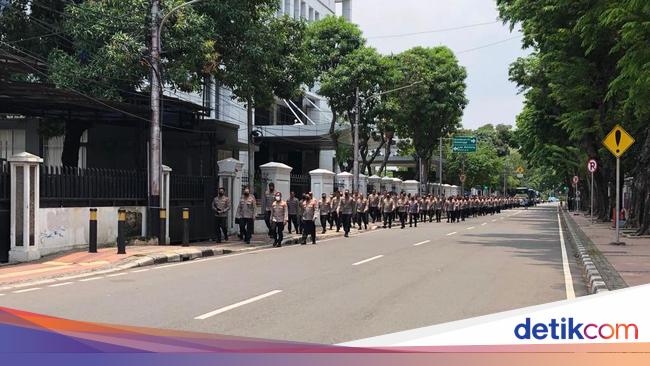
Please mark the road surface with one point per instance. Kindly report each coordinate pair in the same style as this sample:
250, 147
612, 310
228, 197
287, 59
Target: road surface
340, 290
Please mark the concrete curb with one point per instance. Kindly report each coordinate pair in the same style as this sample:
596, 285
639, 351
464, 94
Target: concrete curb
591, 274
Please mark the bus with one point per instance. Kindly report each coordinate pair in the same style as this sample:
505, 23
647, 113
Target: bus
527, 196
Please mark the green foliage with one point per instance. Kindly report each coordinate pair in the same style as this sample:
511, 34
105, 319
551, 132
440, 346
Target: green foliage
331, 39
433, 104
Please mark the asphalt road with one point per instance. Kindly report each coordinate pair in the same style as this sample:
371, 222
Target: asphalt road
340, 290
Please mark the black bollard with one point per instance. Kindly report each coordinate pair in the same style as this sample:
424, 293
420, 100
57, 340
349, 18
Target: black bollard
121, 220
162, 239
92, 231
186, 227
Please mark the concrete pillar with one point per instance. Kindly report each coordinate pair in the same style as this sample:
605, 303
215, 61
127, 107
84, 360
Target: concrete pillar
25, 196
230, 178
374, 182
411, 186
344, 181
363, 184
164, 196
278, 174
397, 183
322, 181
386, 184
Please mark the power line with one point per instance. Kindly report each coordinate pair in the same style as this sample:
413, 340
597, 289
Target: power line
441, 30
489, 45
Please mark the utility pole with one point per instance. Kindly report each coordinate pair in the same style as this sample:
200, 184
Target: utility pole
155, 143
251, 147
355, 185
440, 167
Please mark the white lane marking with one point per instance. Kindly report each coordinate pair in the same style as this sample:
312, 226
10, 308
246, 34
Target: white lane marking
495, 220
568, 280
61, 284
91, 279
421, 243
368, 260
2, 294
140, 270
233, 306
483, 224
470, 228
116, 274
452, 233
27, 290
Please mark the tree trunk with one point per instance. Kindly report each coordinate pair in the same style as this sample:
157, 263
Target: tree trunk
386, 157
368, 164
641, 193
251, 147
71, 143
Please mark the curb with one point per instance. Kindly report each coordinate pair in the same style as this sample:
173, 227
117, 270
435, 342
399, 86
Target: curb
594, 280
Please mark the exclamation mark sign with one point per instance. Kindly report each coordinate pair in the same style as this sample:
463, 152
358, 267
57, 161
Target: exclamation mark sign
617, 135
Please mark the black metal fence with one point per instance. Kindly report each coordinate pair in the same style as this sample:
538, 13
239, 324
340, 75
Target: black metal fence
5, 192
90, 187
195, 193
300, 183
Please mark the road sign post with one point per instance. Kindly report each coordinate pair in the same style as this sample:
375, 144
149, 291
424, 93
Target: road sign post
592, 166
576, 179
618, 141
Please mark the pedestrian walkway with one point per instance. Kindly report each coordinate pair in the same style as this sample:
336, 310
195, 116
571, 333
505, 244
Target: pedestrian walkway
631, 261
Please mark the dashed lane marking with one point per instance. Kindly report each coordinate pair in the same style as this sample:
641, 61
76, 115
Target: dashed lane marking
421, 243
236, 305
367, 260
452, 233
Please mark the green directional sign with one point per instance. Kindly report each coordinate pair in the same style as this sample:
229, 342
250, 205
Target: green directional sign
463, 144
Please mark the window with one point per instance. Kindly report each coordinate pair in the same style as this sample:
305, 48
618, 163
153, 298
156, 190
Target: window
303, 10
316, 16
311, 14
296, 9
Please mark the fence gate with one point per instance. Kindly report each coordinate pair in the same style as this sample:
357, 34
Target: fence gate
5, 188
300, 183
195, 193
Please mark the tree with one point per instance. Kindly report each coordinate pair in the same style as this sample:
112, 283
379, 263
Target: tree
567, 79
329, 41
371, 73
432, 105
271, 61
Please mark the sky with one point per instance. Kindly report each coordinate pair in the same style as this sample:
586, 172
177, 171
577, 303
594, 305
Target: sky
492, 97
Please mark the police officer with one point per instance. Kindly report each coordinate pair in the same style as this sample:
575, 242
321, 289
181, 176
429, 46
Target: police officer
387, 208
324, 209
402, 209
221, 207
292, 206
279, 216
246, 214
361, 211
373, 205
346, 209
414, 211
309, 215
335, 215
266, 204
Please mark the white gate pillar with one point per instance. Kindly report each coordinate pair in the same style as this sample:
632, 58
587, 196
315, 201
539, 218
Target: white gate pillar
344, 181
322, 181
230, 177
280, 175
25, 197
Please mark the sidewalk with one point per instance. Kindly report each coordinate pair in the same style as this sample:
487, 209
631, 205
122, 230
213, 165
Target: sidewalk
631, 261
80, 262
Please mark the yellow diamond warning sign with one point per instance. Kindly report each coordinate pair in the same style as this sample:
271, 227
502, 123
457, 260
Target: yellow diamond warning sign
618, 141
